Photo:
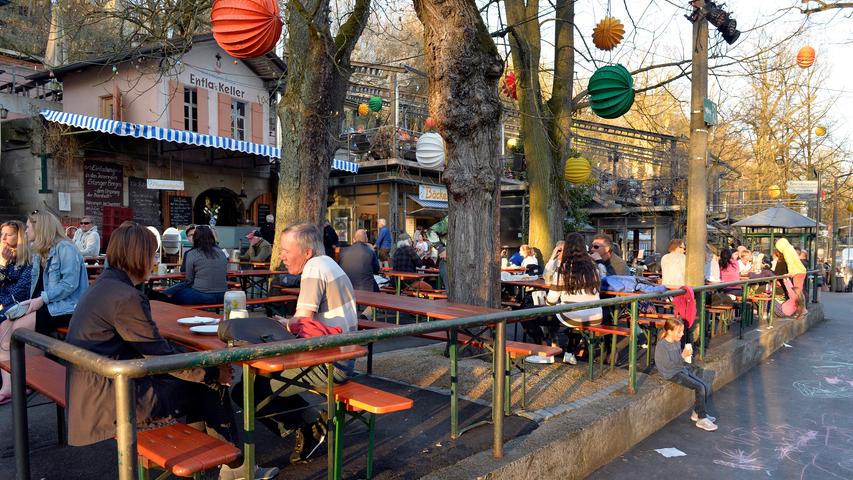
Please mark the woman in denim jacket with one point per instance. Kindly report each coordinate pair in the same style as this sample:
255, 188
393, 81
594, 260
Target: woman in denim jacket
59, 279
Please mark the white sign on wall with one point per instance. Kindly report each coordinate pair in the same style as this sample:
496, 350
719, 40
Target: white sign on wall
158, 184
432, 192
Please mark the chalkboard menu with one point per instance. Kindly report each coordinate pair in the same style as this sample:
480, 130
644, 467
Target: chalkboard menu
145, 202
180, 210
263, 211
102, 187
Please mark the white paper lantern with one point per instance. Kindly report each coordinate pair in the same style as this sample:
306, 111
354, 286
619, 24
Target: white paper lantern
430, 150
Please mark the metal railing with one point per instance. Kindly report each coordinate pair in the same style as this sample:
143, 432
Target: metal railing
124, 371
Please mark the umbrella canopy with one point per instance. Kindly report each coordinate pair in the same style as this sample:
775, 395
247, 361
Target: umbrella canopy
779, 216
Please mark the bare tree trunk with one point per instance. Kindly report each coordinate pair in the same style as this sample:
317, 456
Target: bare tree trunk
311, 108
463, 66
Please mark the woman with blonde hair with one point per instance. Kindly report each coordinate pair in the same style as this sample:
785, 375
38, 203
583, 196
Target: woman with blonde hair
15, 266
59, 279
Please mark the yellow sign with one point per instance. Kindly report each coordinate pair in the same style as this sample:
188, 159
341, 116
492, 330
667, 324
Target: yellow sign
432, 192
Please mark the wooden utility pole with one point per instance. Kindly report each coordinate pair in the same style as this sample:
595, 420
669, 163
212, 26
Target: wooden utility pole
697, 226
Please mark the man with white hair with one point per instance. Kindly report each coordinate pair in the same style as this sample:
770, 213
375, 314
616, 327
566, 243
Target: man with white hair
326, 306
268, 229
87, 239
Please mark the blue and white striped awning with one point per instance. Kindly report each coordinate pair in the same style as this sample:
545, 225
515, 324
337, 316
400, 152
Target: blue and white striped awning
136, 130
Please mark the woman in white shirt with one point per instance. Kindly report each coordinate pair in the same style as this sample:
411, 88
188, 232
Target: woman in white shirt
673, 265
529, 256
574, 277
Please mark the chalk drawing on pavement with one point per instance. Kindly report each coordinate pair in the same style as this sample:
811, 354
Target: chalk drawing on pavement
821, 449
833, 377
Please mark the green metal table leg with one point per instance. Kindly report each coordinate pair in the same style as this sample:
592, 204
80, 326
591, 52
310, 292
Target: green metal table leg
371, 434
248, 421
507, 385
454, 386
340, 426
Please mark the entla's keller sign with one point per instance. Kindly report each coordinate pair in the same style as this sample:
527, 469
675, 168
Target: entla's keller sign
220, 87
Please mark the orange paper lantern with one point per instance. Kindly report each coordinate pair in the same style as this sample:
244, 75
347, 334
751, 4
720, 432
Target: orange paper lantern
430, 123
805, 57
363, 109
608, 33
246, 28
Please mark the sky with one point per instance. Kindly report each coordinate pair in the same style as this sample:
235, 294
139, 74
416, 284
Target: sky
663, 34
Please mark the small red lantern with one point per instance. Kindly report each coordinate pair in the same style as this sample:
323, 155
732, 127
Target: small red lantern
430, 123
246, 28
805, 57
510, 87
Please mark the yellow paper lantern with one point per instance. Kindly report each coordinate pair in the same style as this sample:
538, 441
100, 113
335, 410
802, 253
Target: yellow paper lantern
577, 169
608, 33
363, 109
850, 207
820, 131
774, 191
512, 142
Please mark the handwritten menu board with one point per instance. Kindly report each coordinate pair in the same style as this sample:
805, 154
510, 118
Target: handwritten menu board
145, 202
180, 210
102, 187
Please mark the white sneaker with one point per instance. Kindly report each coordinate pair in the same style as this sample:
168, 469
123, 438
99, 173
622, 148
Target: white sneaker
706, 425
539, 359
570, 358
694, 417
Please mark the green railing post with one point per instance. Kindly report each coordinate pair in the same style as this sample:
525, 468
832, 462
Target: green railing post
19, 410
125, 426
701, 306
498, 389
331, 423
454, 385
632, 353
772, 308
248, 422
743, 306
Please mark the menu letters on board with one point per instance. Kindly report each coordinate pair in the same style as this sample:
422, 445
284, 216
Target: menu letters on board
180, 211
102, 187
145, 202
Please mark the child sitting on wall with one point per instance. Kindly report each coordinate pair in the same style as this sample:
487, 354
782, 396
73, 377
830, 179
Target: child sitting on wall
673, 364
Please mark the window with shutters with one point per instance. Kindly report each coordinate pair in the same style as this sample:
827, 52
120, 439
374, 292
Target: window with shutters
190, 109
238, 120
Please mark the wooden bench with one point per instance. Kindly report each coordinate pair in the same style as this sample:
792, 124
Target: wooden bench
267, 301
515, 351
594, 334
360, 401
721, 312
47, 377
182, 450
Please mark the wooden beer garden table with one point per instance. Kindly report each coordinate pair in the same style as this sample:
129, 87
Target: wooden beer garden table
166, 317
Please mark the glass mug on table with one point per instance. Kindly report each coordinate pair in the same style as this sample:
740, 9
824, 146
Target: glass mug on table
234, 300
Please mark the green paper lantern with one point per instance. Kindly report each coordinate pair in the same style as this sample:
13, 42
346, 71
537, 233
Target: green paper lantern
611, 91
375, 104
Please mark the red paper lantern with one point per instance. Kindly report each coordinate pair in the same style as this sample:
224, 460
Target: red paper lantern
430, 123
805, 57
246, 28
510, 86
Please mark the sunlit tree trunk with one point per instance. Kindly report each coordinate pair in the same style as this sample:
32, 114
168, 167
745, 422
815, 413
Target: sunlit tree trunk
311, 108
463, 68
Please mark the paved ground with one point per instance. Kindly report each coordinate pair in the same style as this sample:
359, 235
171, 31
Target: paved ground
790, 417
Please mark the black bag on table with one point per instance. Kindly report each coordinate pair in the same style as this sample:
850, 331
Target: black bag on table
239, 332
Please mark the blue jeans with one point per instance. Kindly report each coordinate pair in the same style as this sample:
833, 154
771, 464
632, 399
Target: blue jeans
183, 294
690, 379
